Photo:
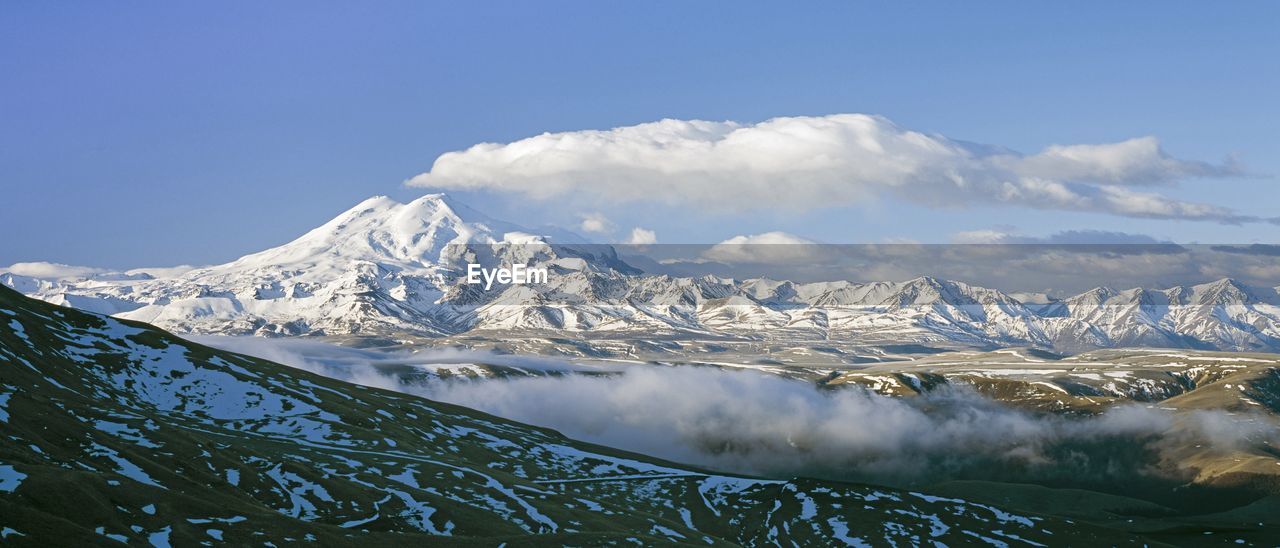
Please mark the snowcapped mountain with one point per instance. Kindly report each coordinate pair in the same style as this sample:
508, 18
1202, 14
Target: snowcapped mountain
380, 266
392, 270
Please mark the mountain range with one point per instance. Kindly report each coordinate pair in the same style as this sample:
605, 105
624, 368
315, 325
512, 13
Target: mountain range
389, 272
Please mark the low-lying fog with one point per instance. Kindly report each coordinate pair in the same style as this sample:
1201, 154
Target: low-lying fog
751, 422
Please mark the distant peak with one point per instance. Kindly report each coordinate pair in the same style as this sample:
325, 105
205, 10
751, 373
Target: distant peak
440, 203
383, 202
1225, 288
434, 197
1224, 282
424, 206
374, 202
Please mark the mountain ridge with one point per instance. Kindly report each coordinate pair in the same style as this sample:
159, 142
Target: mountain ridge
386, 269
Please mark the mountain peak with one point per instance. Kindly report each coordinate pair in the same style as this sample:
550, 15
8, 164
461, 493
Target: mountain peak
1223, 283
433, 197
384, 231
923, 281
380, 202
371, 205
374, 202
437, 201
1223, 291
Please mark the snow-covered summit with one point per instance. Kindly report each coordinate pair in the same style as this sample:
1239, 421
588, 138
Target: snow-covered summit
418, 234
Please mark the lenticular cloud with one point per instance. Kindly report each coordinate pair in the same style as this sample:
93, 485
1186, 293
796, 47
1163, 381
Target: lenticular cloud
820, 161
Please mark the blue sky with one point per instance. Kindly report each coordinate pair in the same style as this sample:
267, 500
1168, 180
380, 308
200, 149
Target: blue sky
145, 134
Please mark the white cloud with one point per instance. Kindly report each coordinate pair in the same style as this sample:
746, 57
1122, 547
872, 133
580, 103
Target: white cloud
772, 238
596, 223
58, 271
642, 236
770, 247
810, 162
52, 271
1010, 235
1133, 162
981, 236
163, 271
752, 422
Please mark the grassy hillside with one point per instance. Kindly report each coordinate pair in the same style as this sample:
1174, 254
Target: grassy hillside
113, 431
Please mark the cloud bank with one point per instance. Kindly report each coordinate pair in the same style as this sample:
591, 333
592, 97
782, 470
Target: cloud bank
642, 236
751, 422
58, 271
595, 223
1096, 238
769, 247
821, 161
51, 271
